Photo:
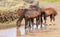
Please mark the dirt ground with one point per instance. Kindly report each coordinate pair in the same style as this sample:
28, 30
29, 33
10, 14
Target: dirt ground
51, 31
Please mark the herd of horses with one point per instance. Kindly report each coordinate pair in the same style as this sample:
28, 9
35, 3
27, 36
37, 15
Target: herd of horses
33, 12
29, 14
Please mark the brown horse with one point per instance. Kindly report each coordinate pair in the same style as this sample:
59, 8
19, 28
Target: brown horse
50, 12
29, 15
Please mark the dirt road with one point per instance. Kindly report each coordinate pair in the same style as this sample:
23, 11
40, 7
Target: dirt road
51, 31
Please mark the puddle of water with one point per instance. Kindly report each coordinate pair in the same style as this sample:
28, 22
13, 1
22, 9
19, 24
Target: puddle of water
8, 32
12, 32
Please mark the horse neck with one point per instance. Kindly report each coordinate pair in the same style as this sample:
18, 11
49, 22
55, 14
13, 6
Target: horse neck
24, 11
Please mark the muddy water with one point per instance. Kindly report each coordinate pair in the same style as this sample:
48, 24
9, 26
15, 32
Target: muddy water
8, 32
14, 32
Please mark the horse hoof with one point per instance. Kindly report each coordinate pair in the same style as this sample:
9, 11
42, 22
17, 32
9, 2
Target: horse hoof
34, 27
39, 26
43, 27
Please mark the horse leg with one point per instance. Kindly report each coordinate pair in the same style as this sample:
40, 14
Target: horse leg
51, 18
39, 22
32, 21
29, 23
33, 25
53, 21
19, 22
37, 18
43, 17
26, 22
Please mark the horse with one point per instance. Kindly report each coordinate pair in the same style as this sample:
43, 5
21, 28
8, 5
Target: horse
38, 18
29, 15
50, 12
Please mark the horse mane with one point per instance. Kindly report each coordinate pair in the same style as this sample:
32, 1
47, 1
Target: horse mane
24, 11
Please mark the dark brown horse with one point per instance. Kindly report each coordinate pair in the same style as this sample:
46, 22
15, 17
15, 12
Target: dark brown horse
29, 15
50, 12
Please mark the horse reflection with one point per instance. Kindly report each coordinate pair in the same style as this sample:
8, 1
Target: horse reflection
17, 32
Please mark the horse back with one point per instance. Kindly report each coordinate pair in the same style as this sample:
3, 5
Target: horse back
50, 11
32, 14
